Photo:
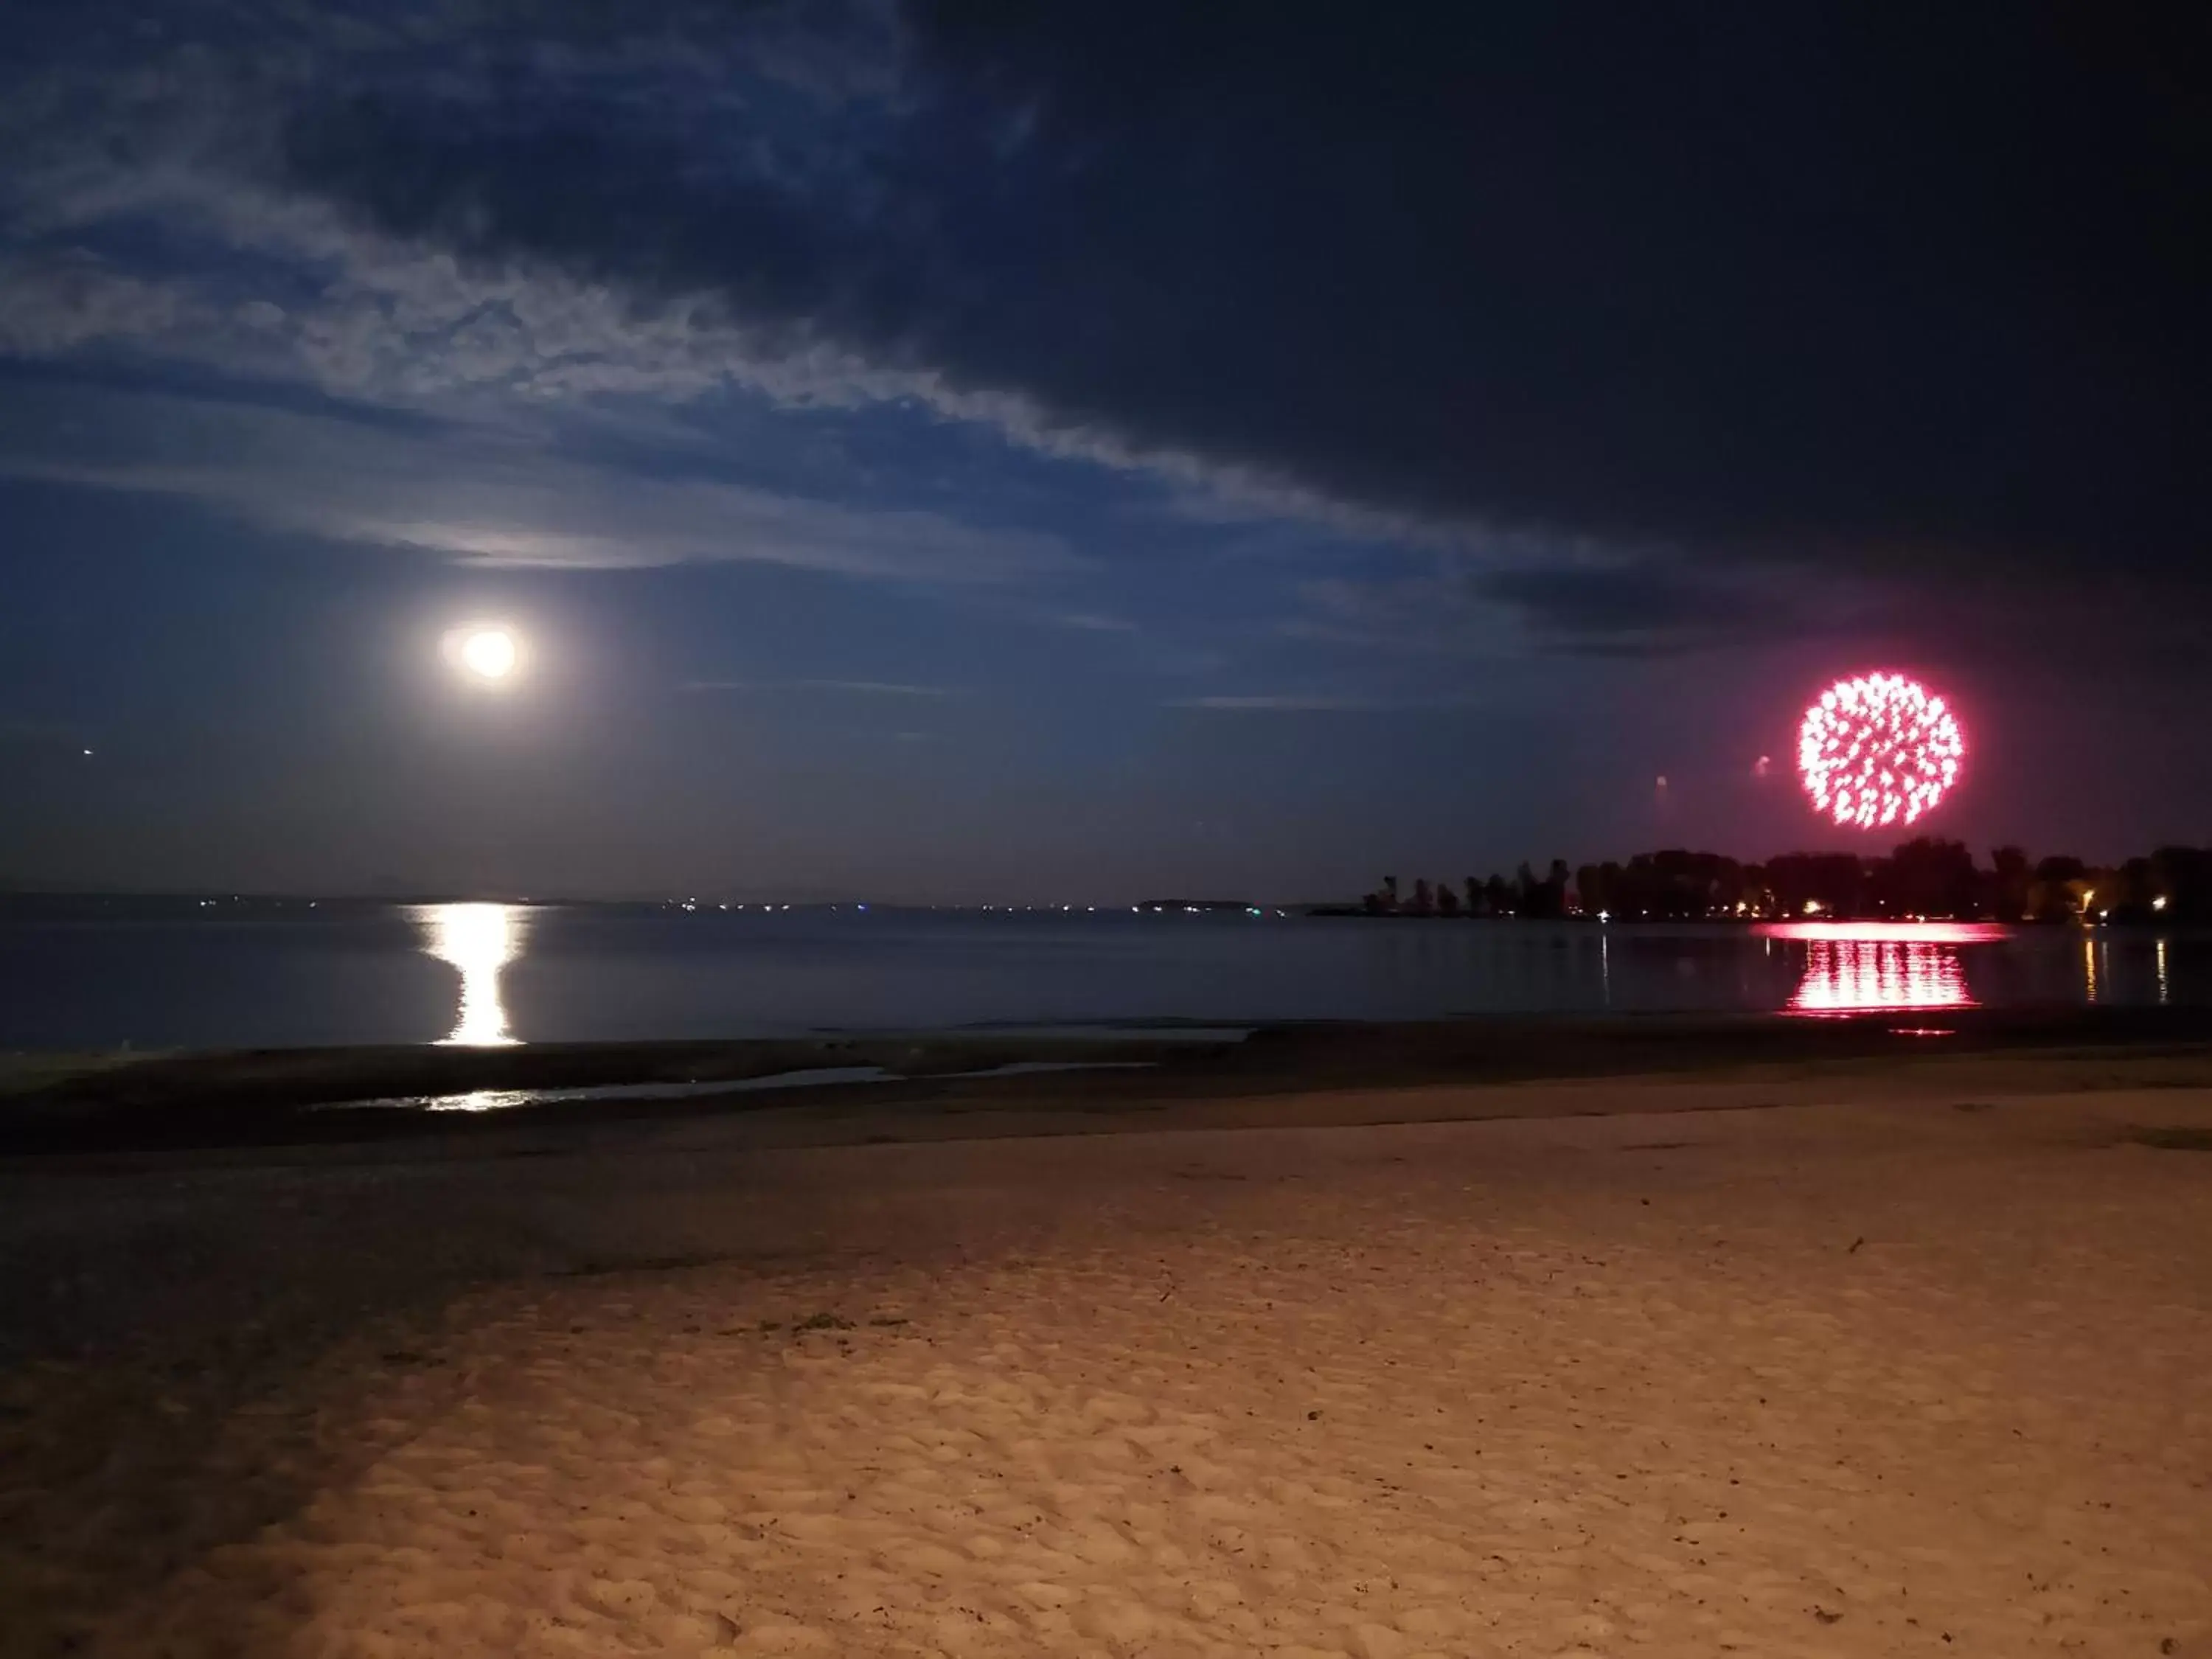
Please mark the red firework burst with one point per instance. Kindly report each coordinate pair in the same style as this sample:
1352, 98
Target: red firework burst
1879, 749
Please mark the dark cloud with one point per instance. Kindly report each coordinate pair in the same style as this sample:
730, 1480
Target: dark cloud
1640, 610
1650, 608
1889, 287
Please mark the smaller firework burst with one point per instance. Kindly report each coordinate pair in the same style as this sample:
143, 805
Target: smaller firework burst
1879, 749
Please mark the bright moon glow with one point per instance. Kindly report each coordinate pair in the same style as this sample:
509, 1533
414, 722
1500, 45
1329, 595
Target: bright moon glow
489, 653
1879, 749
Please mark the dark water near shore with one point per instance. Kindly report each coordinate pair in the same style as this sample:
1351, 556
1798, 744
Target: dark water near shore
182, 974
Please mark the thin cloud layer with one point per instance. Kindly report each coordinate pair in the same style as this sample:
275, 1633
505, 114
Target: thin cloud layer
480, 497
857, 688
1289, 702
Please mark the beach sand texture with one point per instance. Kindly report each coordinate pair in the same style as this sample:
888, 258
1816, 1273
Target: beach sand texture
1832, 1378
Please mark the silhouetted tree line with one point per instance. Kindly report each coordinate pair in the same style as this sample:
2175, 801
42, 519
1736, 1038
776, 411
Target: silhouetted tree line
1525, 895
1926, 877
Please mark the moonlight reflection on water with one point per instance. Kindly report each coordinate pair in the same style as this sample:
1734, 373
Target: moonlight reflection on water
477, 941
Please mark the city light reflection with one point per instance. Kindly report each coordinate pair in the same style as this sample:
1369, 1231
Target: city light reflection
477, 941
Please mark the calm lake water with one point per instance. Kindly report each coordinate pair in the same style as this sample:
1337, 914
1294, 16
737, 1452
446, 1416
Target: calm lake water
171, 974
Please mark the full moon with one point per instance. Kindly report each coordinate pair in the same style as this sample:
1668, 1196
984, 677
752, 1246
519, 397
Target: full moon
489, 653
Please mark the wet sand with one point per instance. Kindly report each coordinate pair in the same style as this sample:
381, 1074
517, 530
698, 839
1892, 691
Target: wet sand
1868, 1359
277, 1097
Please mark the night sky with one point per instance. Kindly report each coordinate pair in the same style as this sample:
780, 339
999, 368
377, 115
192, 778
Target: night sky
961, 452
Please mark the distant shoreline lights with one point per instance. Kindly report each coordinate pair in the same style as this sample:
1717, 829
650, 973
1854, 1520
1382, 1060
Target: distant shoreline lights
1879, 749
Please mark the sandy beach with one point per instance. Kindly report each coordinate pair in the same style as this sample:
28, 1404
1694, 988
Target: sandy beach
1895, 1359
